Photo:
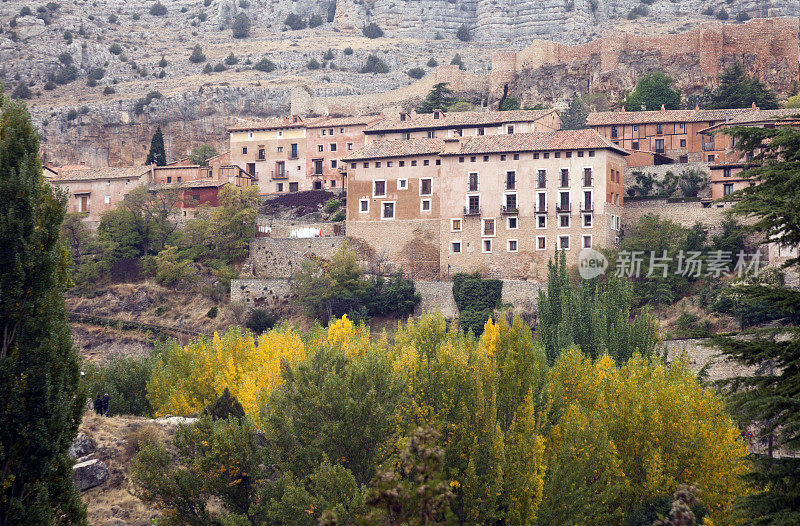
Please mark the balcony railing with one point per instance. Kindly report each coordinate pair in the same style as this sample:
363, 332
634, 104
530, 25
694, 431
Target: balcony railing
511, 185
541, 209
587, 181
472, 210
541, 183
587, 206
509, 209
563, 207
276, 174
293, 156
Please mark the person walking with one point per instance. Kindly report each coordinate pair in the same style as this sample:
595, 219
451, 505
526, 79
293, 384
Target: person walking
106, 399
98, 405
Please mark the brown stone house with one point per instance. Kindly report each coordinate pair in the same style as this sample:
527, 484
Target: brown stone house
498, 204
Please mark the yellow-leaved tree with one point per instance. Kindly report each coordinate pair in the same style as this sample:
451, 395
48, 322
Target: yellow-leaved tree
187, 379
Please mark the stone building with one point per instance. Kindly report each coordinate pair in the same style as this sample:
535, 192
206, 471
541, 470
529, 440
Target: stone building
499, 204
412, 125
291, 154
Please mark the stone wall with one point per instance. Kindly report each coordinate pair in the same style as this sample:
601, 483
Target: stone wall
685, 213
699, 355
271, 294
281, 258
629, 179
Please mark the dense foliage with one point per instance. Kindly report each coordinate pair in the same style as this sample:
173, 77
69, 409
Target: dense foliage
434, 424
40, 398
125, 379
737, 89
476, 299
157, 154
652, 91
439, 98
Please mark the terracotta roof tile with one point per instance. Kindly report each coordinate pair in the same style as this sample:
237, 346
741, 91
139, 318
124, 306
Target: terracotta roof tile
83, 174
719, 115
455, 119
324, 122
606, 118
398, 148
268, 124
214, 183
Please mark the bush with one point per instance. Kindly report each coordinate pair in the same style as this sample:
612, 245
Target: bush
265, 65
22, 91
476, 299
72, 114
260, 321
49, 85
416, 73
125, 379
112, 19
742, 17
372, 30
96, 73
25, 11
348, 50
432, 63
231, 59
314, 21
224, 407
722, 14
212, 312
108, 90
328, 55
65, 75
91, 83
374, 65
158, 9
208, 69
241, 26
294, 22
313, 64
219, 67
457, 61
463, 33
197, 55
709, 11
339, 216
65, 58
163, 62
332, 205
171, 269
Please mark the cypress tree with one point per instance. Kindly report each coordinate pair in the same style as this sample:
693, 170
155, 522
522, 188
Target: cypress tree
157, 154
40, 399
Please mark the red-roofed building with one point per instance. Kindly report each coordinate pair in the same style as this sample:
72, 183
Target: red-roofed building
500, 204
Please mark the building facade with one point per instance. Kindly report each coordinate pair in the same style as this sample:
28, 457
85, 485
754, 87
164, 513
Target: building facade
498, 204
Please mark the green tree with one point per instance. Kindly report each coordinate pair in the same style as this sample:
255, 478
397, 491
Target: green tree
75, 234
374, 64
197, 55
241, 25
464, 34
457, 61
739, 90
157, 154
201, 154
575, 116
594, 315
652, 91
40, 397
439, 98
125, 379
372, 30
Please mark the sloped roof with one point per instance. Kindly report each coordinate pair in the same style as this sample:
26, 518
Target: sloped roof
456, 119
607, 118
268, 124
324, 122
83, 174
524, 142
778, 117
720, 115
398, 148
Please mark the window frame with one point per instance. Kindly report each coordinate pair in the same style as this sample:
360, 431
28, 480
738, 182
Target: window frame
516, 245
361, 208
374, 182
383, 210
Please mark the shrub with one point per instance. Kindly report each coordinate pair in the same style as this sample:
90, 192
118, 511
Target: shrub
201, 16
372, 30
457, 61
260, 321
742, 17
224, 407
158, 9
432, 63
416, 73
328, 55
208, 69
25, 11
22, 91
476, 299
241, 26
96, 73
339, 216
332, 205
125, 380
49, 85
163, 62
463, 33
91, 83
231, 59
348, 50
314, 21
313, 64
197, 55
66, 74
709, 11
722, 14
219, 67
115, 49
207, 3
212, 312
72, 115
636, 12
294, 22
265, 65
65, 58
374, 65
112, 19
108, 90
68, 36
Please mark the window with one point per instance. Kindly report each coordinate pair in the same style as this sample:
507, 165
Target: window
262, 153
280, 134
349, 145
541, 179
567, 154
659, 145
486, 158
169, 179
591, 153
563, 242
481, 131
541, 221
330, 132
293, 152
401, 164
353, 165
179, 178
459, 132
425, 186
546, 155
487, 229
473, 204
726, 172
563, 220
727, 189
564, 180
455, 225
511, 180
128, 181
511, 245
333, 183
461, 159
510, 129
557, 155
377, 164
587, 241
405, 136
426, 162
438, 162
510, 205
317, 166
683, 143
333, 147
502, 157
379, 188
486, 246
473, 182
681, 126
512, 222
473, 159
431, 134
387, 210
635, 145
402, 184
635, 127
516, 157
244, 150
334, 163
389, 164
413, 163
455, 247
659, 129
279, 187
616, 222
425, 205
613, 132
250, 135
324, 132
536, 155
587, 177
587, 220
541, 243
280, 149
541, 202
294, 187
711, 158
363, 206
107, 200
563, 204
588, 203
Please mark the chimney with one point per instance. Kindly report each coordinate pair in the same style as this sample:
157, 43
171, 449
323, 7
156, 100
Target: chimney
697, 107
754, 105
663, 109
623, 109
452, 145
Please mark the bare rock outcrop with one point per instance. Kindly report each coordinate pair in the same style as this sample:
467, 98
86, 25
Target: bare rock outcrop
88, 474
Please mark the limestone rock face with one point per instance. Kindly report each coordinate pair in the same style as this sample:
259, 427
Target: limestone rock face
89, 474
82, 446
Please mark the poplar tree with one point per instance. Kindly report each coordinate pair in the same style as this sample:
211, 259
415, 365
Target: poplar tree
40, 399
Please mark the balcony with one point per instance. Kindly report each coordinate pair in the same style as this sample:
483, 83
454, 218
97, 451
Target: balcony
509, 210
709, 146
587, 182
587, 206
276, 174
563, 207
472, 210
293, 156
541, 183
541, 210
